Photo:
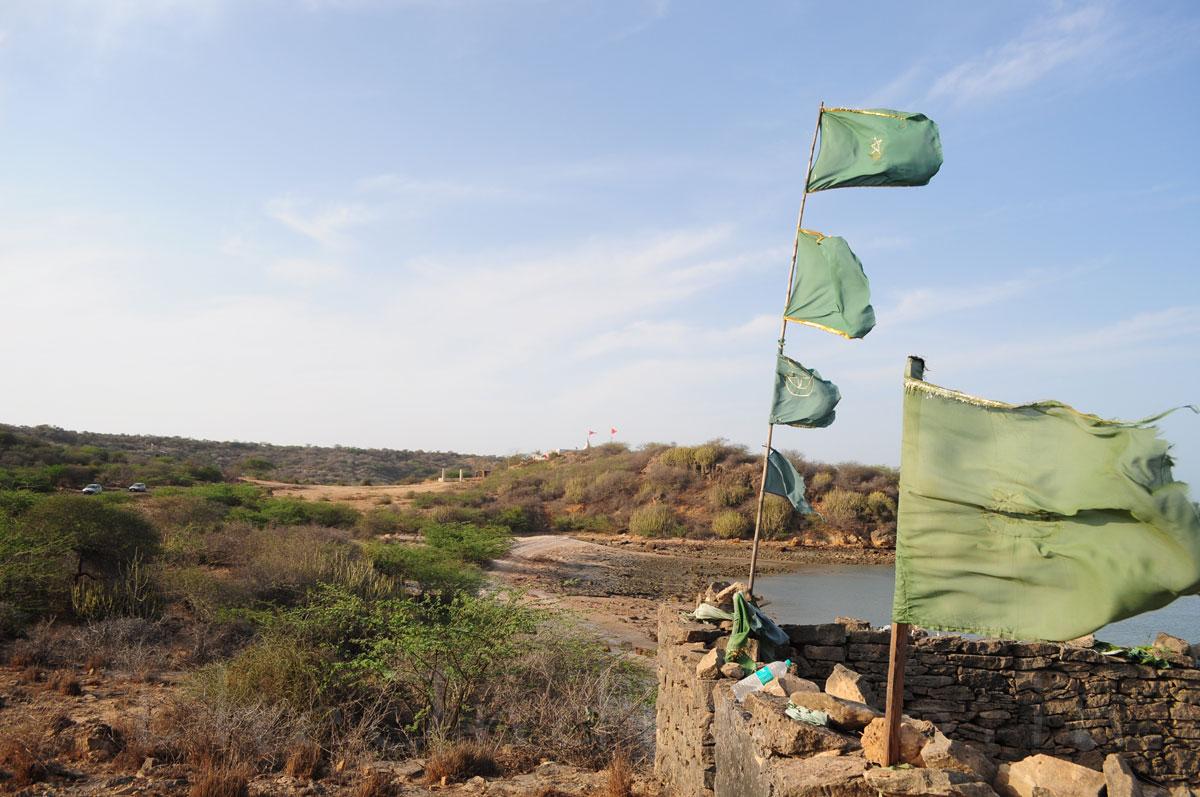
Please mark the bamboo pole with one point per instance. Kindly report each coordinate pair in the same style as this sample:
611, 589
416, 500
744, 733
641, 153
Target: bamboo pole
782, 335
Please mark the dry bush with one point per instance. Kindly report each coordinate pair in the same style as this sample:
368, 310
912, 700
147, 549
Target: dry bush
843, 509
458, 761
218, 781
22, 758
65, 683
731, 525
130, 645
548, 791
29, 675
618, 778
304, 760
211, 729
776, 516
656, 520
374, 784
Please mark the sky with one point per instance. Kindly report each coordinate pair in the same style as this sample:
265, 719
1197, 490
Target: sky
492, 225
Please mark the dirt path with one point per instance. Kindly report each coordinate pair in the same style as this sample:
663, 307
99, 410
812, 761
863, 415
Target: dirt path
361, 497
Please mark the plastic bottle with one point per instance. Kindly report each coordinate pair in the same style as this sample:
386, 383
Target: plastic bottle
759, 678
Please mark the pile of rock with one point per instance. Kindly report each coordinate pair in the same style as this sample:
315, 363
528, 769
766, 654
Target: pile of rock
760, 750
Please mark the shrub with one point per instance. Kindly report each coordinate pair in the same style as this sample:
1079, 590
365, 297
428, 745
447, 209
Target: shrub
705, 457
881, 505
612, 484
304, 760
730, 525
819, 482
843, 508
520, 519
388, 521
729, 493
776, 516
220, 782
458, 761
655, 520
429, 569
676, 457
575, 490
471, 543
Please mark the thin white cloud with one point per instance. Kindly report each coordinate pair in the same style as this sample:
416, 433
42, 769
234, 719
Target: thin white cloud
1043, 48
439, 190
326, 224
304, 271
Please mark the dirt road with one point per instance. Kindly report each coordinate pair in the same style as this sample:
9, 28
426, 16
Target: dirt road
361, 497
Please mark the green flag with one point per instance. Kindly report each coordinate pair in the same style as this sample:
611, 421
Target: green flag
1035, 521
782, 479
802, 397
830, 290
875, 147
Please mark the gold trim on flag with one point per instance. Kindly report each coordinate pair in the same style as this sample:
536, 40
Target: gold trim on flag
837, 332
869, 113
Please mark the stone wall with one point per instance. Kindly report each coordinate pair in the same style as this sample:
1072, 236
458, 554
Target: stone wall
1011, 699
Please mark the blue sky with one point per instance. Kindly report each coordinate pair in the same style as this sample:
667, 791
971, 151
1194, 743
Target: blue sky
490, 225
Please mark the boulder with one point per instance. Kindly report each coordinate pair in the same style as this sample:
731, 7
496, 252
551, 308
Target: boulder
1172, 643
914, 735
845, 714
853, 623
775, 732
1087, 641
941, 752
731, 669
710, 664
1046, 776
98, 742
845, 683
820, 776
787, 684
926, 783
1119, 778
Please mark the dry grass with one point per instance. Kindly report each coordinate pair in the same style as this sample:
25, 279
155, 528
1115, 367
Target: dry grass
25, 754
304, 760
65, 683
547, 791
30, 675
618, 780
214, 781
374, 784
458, 761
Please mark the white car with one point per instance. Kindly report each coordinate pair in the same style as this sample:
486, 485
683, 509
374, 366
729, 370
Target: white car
137, 487
92, 489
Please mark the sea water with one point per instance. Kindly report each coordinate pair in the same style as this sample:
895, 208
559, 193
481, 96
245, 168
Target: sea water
819, 593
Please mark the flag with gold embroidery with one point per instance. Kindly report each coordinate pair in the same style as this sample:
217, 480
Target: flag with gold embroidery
802, 397
875, 147
830, 289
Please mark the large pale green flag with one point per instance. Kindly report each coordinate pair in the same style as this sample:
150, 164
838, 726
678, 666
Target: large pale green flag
783, 479
802, 397
1035, 521
830, 290
875, 147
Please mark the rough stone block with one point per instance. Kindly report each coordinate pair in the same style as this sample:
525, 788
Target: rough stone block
1046, 776
926, 783
850, 685
824, 634
777, 733
845, 714
944, 753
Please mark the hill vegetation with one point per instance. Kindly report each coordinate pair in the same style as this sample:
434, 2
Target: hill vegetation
44, 458
708, 490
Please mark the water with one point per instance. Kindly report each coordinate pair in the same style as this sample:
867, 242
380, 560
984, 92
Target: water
819, 593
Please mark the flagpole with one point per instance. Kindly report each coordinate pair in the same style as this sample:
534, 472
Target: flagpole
782, 336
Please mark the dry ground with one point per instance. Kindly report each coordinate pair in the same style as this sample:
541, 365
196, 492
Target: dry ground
361, 497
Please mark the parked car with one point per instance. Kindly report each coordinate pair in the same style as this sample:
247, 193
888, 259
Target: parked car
137, 487
92, 489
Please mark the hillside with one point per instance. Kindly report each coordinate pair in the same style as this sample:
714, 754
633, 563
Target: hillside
701, 491
46, 457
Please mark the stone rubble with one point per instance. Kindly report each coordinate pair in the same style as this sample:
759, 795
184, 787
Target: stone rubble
1050, 715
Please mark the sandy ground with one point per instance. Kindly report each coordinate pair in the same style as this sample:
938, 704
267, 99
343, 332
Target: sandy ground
360, 497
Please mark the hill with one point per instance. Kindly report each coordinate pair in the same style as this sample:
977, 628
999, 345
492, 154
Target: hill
698, 491
45, 458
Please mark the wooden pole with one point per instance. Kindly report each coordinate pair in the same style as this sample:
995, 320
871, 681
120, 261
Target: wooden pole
897, 656
782, 335
898, 649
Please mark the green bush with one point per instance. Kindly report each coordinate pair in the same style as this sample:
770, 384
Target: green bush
677, 457
655, 520
469, 542
599, 523
575, 490
843, 509
731, 525
881, 505
377, 521
728, 493
16, 502
776, 517
430, 570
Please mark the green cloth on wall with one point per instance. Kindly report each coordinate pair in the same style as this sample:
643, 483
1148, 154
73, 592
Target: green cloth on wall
875, 147
1035, 521
784, 480
830, 290
802, 398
